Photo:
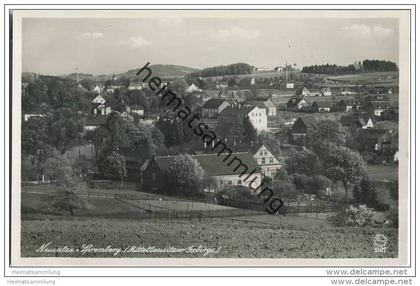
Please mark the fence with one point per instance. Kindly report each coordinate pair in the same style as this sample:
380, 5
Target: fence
165, 212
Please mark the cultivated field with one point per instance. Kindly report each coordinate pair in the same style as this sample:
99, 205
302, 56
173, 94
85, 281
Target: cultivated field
290, 239
119, 223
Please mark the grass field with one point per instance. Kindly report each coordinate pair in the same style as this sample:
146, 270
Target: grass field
383, 172
376, 77
287, 115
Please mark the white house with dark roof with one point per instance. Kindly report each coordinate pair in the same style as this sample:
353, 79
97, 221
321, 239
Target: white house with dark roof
326, 91
99, 106
214, 167
269, 164
193, 88
213, 107
266, 103
97, 89
257, 116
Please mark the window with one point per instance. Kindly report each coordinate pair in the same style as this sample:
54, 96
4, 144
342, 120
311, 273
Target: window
263, 161
239, 182
271, 161
230, 182
265, 152
154, 176
261, 153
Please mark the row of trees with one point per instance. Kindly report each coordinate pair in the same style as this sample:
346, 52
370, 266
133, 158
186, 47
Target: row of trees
379, 66
45, 93
233, 69
329, 69
367, 66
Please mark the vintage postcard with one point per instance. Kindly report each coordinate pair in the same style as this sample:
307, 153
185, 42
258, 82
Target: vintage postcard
210, 137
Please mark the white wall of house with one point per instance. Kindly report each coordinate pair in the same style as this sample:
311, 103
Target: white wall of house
258, 118
267, 161
324, 109
235, 180
378, 111
369, 124
272, 111
97, 89
89, 127
138, 111
302, 104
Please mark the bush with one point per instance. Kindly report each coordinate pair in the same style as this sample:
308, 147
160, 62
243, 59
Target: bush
365, 193
301, 181
356, 216
238, 193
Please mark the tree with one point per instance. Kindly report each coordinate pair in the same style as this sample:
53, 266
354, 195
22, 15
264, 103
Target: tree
327, 133
301, 181
365, 193
319, 184
113, 166
283, 186
303, 162
28, 168
116, 128
346, 166
64, 128
60, 172
185, 171
230, 126
98, 138
250, 134
81, 166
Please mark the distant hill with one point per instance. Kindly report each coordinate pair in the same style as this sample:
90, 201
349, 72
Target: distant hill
81, 76
162, 71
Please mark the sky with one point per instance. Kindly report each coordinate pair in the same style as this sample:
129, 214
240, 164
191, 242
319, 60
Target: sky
58, 46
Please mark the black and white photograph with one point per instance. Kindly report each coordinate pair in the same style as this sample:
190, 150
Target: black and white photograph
210, 137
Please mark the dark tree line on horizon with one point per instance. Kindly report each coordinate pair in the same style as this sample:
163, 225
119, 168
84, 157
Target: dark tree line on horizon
233, 69
367, 66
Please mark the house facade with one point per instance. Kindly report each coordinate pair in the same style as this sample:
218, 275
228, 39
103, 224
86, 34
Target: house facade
213, 107
326, 92
321, 106
310, 92
266, 160
99, 106
270, 107
155, 170
258, 118
297, 103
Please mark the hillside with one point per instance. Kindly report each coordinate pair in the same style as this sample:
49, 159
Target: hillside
163, 71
